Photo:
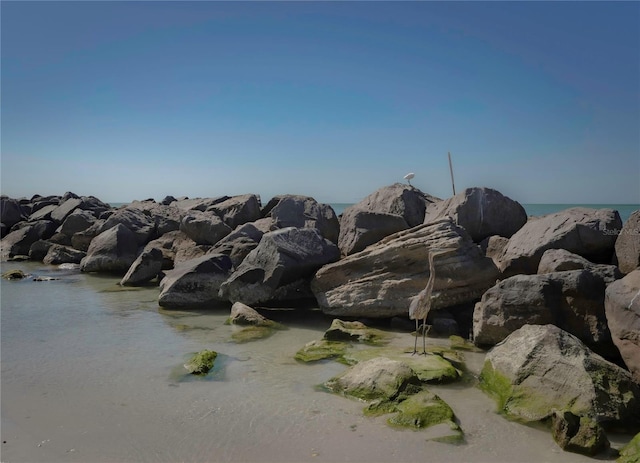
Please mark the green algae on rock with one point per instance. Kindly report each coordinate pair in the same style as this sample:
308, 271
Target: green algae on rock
459, 343
578, 434
630, 453
252, 333
355, 332
201, 362
14, 275
321, 349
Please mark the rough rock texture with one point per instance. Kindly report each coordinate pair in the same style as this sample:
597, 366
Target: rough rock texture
622, 308
204, 227
197, 204
282, 258
354, 331
201, 362
360, 228
589, 233
18, 242
64, 209
145, 268
578, 434
572, 300
559, 260
58, 254
142, 226
10, 212
195, 283
382, 280
166, 218
239, 243
113, 251
483, 212
242, 314
82, 239
628, 244
493, 247
238, 210
304, 212
541, 368
77, 221
378, 378
43, 213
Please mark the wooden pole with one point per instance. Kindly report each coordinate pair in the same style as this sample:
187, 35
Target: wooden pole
451, 170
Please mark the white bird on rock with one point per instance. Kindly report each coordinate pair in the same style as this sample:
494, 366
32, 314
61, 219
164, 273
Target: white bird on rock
409, 176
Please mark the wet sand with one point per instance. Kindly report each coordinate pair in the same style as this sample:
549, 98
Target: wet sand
91, 373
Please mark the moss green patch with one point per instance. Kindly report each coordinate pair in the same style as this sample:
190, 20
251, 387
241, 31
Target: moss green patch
14, 275
355, 332
430, 368
201, 362
630, 453
321, 349
422, 411
380, 407
252, 333
495, 385
459, 343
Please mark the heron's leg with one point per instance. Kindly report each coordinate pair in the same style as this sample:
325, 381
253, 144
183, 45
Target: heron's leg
424, 336
415, 344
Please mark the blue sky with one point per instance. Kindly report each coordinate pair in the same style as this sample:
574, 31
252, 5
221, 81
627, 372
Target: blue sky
131, 100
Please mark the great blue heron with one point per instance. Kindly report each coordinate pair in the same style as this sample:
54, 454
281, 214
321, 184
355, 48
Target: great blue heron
421, 304
409, 176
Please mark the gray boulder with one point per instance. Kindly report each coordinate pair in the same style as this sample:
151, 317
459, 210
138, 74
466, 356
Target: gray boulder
166, 218
145, 268
142, 226
304, 212
58, 254
559, 260
18, 242
64, 209
483, 212
239, 243
242, 314
578, 434
237, 210
283, 257
82, 240
493, 247
112, 251
382, 280
77, 221
540, 368
195, 283
628, 244
572, 300
360, 228
197, 204
204, 228
11, 211
43, 213
622, 308
583, 231
39, 249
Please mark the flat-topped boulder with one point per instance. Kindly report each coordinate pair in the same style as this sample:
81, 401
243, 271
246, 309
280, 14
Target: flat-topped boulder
112, 251
382, 280
204, 227
590, 233
239, 243
628, 244
482, 212
559, 260
238, 210
302, 212
360, 228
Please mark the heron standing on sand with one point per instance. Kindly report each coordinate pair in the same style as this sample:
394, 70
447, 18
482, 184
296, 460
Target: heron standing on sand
421, 304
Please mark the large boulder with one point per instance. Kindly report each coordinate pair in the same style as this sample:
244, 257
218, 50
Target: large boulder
622, 307
239, 243
628, 244
145, 268
197, 204
559, 260
82, 240
10, 211
142, 226
483, 212
166, 218
18, 242
237, 210
58, 254
382, 280
112, 251
572, 300
43, 213
195, 283
360, 228
64, 209
303, 212
77, 221
539, 369
204, 227
283, 257
589, 233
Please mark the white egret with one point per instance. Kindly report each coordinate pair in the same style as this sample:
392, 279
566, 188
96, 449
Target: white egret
409, 176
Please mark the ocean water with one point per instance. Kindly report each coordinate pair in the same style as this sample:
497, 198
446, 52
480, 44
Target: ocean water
92, 372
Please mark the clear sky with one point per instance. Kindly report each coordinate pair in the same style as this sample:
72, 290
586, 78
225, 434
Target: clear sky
131, 100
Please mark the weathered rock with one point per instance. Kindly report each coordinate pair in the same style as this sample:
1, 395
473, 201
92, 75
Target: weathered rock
112, 251
43, 213
541, 368
423, 410
204, 228
353, 332
58, 254
145, 268
378, 378
77, 221
195, 283
242, 314
572, 300
39, 249
630, 453
493, 247
628, 244
321, 349
10, 212
382, 280
14, 275
239, 243
237, 210
578, 434
283, 257
482, 212
622, 308
171, 245
202, 362
198, 204
589, 233
19, 241
64, 209
142, 226
168, 200
360, 228
166, 218
305, 212
558, 260
82, 240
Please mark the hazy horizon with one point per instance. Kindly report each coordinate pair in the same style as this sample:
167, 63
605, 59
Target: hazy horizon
132, 100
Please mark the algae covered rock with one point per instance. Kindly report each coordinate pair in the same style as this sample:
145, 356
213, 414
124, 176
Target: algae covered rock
354, 331
578, 434
201, 363
423, 410
630, 453
321, 349
14, 275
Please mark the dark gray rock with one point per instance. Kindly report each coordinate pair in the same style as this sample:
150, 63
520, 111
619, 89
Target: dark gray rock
58, 254
237, 210
19, 241
77, 221
559, 260
482, 212
112, 251
239, 243
39, 250
361, 228
628, 244
198, 204
43, 213
578, 434
145, 268
11, 212
283, 257
64, 209
139, 223
82, 240
305, 212
204, 228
